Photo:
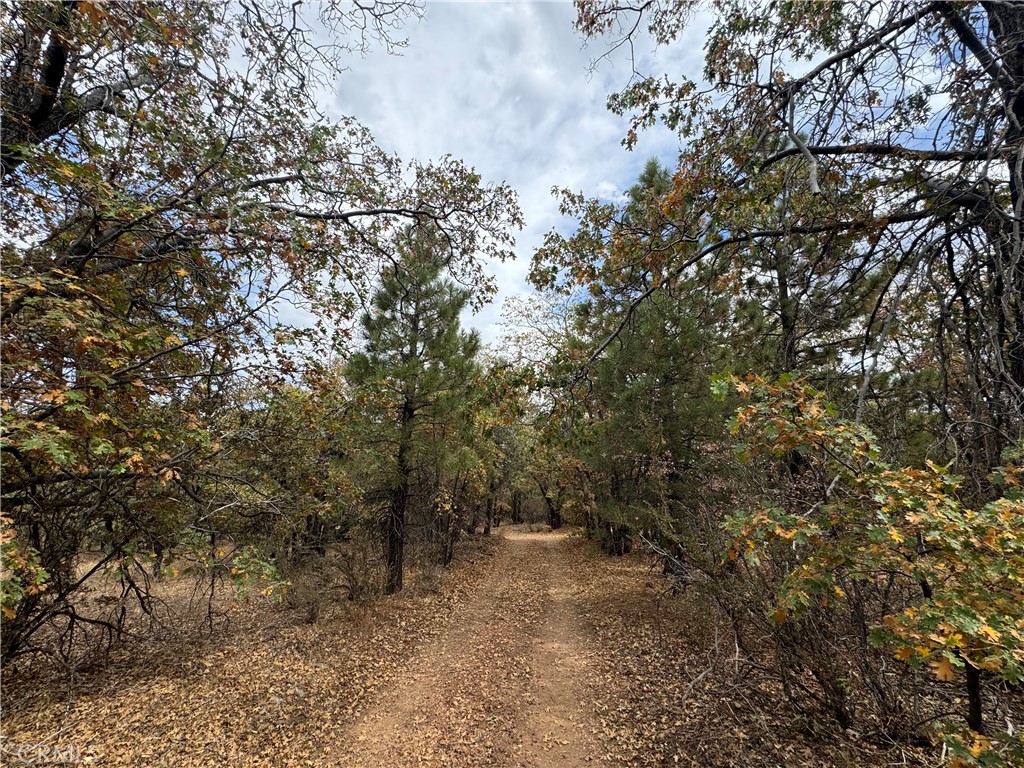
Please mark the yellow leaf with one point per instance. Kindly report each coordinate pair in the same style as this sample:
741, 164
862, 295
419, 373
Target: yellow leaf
980, 745
988, 633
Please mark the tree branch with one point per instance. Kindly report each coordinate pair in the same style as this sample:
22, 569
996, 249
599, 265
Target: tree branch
965, 32
882, 150
850, 225
812, 161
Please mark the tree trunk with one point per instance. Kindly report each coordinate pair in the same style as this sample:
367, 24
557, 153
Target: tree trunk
554, 517
554, 513
316, 535
619, 541
517, 507
492, 503
394, 541
788, 312
975, 719
394, 521
1006, 21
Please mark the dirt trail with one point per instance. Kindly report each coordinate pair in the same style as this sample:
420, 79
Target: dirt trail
505, 684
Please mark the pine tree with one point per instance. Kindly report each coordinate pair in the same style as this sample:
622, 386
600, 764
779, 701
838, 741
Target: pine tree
418, 365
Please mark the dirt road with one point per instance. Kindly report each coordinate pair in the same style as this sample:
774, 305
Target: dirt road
504, 684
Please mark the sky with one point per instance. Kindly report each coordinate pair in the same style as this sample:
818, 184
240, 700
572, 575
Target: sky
509, 88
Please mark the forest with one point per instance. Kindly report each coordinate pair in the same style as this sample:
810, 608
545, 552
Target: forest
741, 484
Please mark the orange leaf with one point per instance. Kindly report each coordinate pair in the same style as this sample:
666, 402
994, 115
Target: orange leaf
943, 669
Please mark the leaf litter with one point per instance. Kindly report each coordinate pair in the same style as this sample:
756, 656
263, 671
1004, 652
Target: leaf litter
534, 651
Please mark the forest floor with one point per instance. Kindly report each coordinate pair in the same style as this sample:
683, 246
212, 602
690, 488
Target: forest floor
533, 651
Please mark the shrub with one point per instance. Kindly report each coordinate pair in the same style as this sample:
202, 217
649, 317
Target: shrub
940, 585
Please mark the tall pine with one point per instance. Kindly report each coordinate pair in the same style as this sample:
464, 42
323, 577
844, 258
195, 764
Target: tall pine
418, 364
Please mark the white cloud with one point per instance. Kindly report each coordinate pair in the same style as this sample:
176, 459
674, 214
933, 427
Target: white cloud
507, 87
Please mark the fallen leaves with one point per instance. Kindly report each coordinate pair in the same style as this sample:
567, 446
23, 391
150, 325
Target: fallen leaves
269, 691
525, 657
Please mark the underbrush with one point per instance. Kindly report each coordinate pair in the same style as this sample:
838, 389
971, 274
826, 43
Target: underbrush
187, 614
699, 686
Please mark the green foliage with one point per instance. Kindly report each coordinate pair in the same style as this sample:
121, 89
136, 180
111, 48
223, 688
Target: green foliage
837, 204
413, 385
878, 525
250, 569
20, 573
416, 354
